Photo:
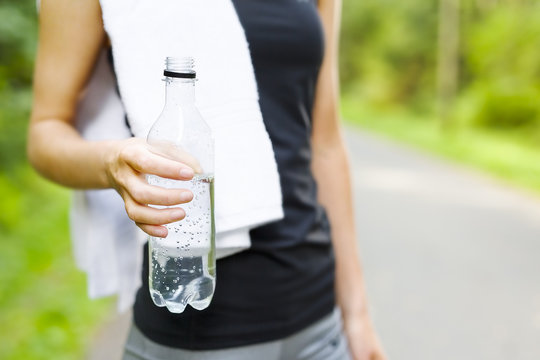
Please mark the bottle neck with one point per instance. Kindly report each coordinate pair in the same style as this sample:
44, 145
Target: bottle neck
179, 91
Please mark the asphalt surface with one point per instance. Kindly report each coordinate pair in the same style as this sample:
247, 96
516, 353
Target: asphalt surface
450, 257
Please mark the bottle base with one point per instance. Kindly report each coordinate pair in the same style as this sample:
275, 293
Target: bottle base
187, 295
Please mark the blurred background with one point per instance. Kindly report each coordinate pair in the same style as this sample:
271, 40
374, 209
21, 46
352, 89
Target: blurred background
441, 100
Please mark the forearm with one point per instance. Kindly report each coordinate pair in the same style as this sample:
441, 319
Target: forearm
58, 152
331, 169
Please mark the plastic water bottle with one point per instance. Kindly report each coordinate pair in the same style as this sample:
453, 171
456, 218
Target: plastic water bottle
183, 265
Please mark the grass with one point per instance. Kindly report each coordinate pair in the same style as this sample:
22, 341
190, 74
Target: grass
44, 310
512, 157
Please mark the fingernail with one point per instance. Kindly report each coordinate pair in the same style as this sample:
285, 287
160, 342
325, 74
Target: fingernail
186, 196
185, 172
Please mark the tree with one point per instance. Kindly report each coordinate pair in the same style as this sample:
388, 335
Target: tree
448, 57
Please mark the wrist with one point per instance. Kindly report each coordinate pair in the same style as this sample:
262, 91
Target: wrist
352, 303
354, 309
109, 159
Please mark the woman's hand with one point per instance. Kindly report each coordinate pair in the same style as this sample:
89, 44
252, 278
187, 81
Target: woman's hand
363, 341
127, 164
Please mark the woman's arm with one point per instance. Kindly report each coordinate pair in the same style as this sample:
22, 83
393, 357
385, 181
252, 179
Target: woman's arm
331, 169
71, 37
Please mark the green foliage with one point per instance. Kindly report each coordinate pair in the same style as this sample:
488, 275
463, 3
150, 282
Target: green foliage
388, 49
44, 310
388, 57
502, 46
18, 29
14, 115
508, 108
502, 62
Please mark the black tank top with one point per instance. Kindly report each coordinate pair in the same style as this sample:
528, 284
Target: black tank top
285, 281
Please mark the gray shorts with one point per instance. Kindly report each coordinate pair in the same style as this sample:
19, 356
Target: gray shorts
323, 340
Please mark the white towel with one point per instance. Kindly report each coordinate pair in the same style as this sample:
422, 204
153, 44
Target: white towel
247, 191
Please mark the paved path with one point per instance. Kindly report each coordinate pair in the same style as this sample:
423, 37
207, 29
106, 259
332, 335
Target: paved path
451, 259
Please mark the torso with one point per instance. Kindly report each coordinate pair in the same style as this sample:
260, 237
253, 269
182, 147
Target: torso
285, 281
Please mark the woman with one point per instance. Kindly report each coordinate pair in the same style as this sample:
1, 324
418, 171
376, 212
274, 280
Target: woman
290, 284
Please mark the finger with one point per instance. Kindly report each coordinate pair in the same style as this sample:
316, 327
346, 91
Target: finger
146, 215
143, 193
173, 152
154, 230
146, 162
